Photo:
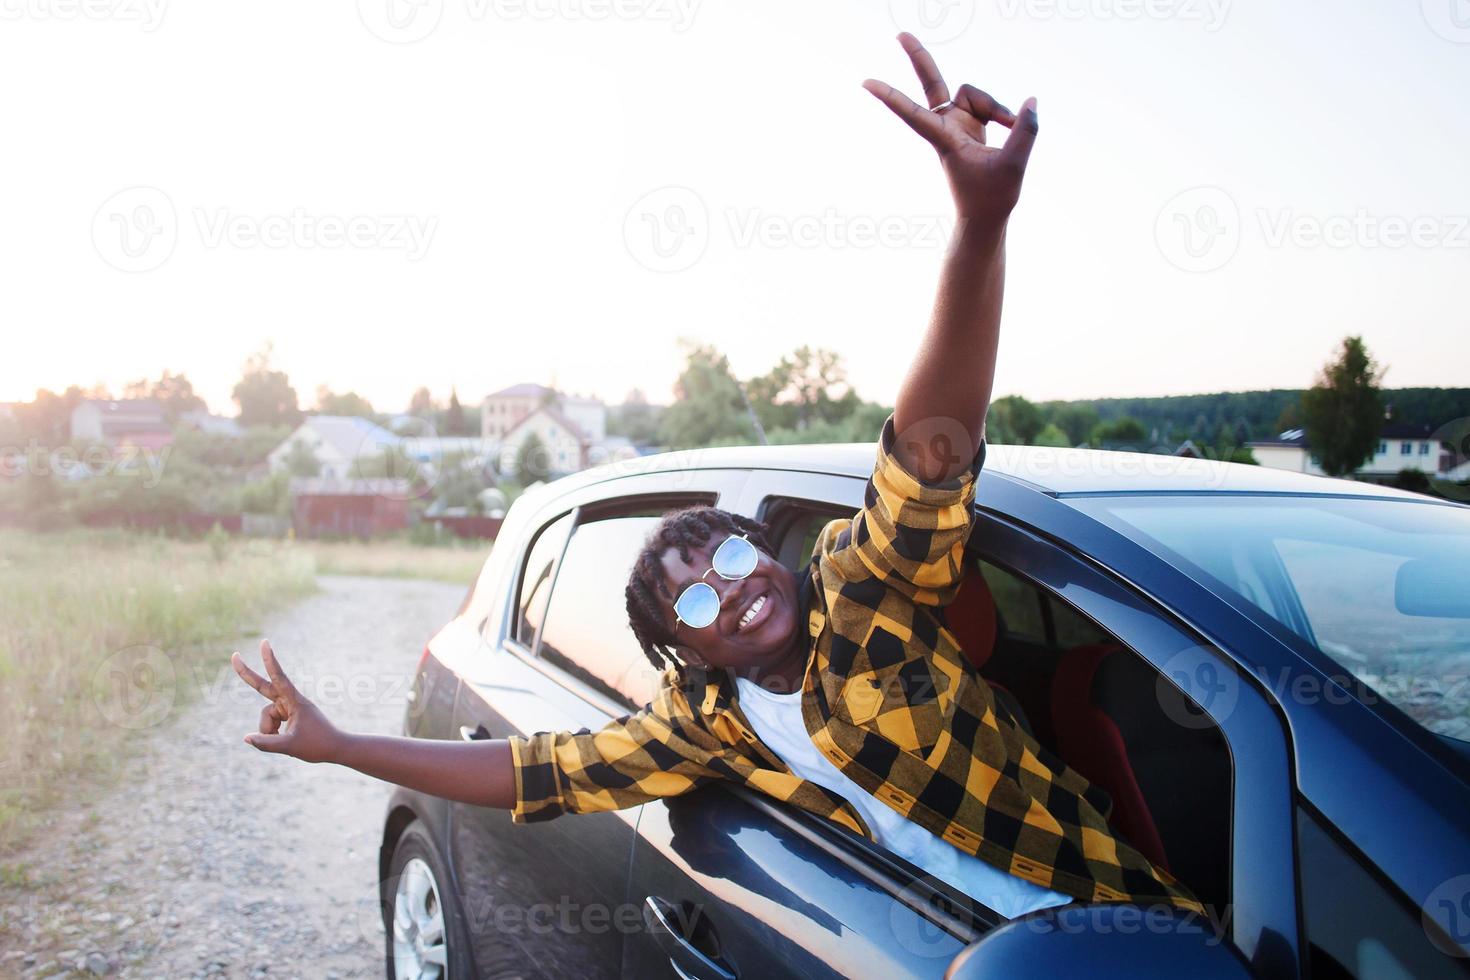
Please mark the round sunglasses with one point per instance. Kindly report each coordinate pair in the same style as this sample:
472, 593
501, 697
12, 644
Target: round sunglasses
699, 604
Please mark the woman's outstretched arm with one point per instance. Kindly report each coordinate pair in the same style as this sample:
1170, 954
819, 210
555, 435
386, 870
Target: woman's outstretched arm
939, 416
479, 772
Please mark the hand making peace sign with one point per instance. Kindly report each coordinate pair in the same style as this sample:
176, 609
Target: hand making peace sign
308, 735
985, 180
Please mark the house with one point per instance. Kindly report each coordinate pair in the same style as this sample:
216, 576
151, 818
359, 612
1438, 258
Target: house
337, 442
139, 422
572, 429
504, 410
334, 507
564, 447
1400, 446
217, 425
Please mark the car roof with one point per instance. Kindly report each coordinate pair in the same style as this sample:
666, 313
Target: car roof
1051, 470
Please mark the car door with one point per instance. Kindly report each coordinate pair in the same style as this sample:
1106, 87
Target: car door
548, 898
732, 883
758, 898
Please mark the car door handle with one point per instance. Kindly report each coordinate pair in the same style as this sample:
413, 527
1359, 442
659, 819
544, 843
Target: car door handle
662, 919
477, 734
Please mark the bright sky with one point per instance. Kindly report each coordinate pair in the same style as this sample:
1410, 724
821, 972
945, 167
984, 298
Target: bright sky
424, 192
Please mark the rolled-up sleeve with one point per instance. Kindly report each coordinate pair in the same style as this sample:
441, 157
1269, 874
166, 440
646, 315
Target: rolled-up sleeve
633, 759
910, 532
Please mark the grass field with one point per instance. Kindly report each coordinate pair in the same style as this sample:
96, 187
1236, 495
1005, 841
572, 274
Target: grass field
100, 636
457, 563
104, 634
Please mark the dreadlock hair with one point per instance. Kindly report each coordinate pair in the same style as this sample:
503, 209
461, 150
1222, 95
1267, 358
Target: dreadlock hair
681, 530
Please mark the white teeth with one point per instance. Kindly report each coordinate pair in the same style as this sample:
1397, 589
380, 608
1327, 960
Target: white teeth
755, 607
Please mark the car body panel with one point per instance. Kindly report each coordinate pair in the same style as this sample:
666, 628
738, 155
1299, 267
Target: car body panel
1032, 506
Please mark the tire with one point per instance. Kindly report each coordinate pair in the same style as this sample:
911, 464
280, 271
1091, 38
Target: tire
415, 895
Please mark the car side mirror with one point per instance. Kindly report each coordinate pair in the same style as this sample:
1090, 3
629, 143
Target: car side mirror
1103, 942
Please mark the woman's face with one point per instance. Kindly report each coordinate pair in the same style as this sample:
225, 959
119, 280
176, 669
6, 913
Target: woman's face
725, 642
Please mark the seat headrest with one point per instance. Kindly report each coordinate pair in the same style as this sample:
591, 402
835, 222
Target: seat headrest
971, 617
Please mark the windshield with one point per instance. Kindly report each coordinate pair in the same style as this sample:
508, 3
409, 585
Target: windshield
1380, 586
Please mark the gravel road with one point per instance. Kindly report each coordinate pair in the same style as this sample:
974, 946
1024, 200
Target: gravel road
213, 859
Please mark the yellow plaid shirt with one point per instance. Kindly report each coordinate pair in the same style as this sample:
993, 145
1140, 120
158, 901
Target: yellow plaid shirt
888, 697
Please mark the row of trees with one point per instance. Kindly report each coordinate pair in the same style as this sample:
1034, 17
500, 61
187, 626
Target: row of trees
806, 398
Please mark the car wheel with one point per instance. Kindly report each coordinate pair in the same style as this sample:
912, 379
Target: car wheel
425, 935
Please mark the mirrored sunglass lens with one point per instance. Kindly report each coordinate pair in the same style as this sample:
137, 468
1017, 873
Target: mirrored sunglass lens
698, 605
735, 558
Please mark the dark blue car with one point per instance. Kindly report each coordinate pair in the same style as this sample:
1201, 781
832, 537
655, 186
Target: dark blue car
1269, 672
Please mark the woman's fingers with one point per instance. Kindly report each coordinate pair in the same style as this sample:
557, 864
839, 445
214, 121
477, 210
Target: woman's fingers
983, 106
927, 124
251, 677
270, 719
934, 88
268, 743
1017, 148
279, 680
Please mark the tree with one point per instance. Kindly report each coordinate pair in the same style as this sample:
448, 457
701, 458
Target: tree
709, 409
421, 405
533, 461
454, 418
1076, 421
1344, 409
1125, 429
174, 392
301, 461
347, 403
263, 394
1020, 418
634, 418
1053, 435
809, 386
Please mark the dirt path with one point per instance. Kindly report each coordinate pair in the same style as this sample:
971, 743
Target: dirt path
212, 859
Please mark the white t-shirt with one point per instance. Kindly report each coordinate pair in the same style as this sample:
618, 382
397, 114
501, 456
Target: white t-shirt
777, 721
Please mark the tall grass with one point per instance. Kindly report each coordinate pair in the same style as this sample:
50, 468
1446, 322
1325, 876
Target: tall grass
102, 635
457, 562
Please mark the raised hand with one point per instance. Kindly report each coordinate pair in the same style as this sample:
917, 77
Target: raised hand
985, 180
308, 735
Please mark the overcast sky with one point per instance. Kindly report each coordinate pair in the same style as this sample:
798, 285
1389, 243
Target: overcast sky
482, 192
